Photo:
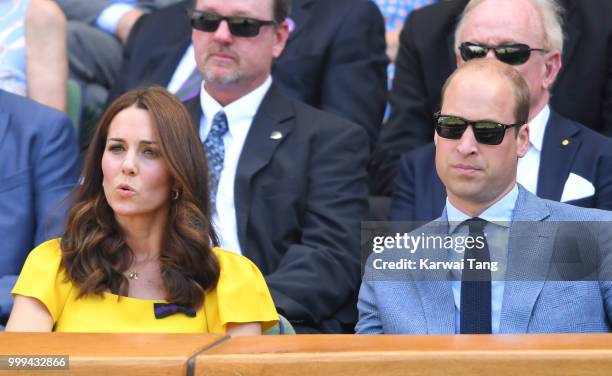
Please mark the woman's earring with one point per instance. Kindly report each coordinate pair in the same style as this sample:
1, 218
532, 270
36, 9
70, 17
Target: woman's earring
175, 195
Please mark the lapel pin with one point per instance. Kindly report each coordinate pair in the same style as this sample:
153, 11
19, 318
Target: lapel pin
565, 142
276, 135
290, 24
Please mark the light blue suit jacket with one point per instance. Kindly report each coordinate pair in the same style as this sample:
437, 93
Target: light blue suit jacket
421, 302
38, 168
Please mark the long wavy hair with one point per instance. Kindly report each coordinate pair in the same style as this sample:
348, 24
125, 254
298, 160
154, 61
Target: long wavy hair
94, 252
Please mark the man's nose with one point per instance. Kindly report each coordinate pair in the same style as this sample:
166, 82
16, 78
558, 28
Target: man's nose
467, 144
223, 33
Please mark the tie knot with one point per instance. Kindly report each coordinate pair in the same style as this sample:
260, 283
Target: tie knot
476, 224
219, 125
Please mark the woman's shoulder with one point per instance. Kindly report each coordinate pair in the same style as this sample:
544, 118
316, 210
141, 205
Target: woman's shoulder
228, 259
49, 250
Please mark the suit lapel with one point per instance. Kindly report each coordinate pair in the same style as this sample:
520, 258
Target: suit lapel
270, 122
195, 110
434, 286
528, 252
558, 151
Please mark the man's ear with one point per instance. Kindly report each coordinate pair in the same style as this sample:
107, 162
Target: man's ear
552, 64
522, 141
282, 34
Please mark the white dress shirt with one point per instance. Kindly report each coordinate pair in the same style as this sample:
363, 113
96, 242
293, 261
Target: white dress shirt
529, 165
240, 114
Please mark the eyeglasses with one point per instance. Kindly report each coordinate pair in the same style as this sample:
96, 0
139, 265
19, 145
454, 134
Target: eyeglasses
486, 132
513, 54
238, 26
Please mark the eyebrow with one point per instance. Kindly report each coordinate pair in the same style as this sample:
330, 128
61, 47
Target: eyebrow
146, 142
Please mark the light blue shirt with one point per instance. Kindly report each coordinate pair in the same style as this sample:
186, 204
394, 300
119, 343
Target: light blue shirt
110, 16
498, 216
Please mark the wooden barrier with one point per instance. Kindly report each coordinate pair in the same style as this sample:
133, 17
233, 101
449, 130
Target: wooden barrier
316, 355
498, 355
109, 354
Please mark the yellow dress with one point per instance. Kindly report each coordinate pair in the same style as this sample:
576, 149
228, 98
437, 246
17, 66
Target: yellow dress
241, 296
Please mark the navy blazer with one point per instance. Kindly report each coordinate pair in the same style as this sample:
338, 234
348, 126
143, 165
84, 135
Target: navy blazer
299, 205
420, 195
335, 58
38, 168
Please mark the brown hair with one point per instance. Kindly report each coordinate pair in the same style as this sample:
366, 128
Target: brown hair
94, 251
281, 10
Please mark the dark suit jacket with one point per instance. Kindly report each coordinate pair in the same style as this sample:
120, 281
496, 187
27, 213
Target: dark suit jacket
299, 204
420, 195
334, 60
583, 90
38, 168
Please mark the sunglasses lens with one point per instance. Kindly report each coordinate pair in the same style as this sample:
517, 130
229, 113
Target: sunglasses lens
205, 22
513, 55
244, 27
489, 133
238, 26
471, 51
450, 127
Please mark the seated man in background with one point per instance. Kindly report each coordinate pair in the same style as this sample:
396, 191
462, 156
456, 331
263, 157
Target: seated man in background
518, 238
427, 56
33, 57
566, 161
288, 182
97, 31
38, 169
334, 60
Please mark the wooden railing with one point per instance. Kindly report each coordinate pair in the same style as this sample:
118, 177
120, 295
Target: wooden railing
314, 355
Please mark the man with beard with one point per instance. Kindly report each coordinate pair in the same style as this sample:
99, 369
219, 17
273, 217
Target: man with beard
288, 181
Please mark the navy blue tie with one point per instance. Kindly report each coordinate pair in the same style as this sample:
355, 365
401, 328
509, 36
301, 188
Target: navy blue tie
215, 153
475, 303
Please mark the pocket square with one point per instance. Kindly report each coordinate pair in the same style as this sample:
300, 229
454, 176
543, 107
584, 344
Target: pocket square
576, 187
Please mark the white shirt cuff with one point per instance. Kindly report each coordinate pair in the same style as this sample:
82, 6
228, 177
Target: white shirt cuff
110, 16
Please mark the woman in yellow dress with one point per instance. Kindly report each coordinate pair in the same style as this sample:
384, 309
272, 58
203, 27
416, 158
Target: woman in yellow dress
139, 253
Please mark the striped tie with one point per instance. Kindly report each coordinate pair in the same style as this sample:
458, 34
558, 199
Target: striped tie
191, 86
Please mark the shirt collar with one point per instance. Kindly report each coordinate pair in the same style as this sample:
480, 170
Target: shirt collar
243, 108
500, 212
537, 126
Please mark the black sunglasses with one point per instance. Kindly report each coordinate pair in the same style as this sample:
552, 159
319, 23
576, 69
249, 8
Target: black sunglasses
513, 54
238, 26
486, 132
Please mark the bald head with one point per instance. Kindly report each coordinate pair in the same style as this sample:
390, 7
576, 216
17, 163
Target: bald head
498, 76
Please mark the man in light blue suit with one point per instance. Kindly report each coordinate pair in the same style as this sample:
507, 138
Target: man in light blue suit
38, 168
540, 273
